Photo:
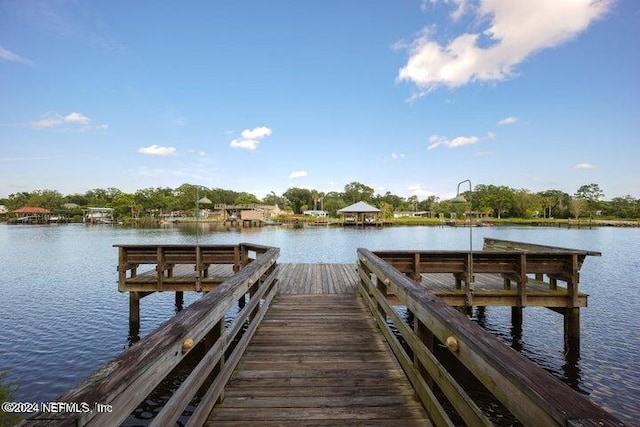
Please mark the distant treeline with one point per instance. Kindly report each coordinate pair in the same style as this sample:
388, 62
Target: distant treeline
499, 201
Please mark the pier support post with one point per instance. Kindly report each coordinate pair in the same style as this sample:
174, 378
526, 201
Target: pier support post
134, 317
516, 328
572, 332
134, 310
179, 301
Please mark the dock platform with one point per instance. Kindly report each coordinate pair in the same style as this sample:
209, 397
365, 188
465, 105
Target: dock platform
326, 344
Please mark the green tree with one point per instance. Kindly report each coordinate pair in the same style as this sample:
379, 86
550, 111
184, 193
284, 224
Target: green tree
100, 197
18, 200
428, 204
391, 199
526, 204
298, 197
273, 199
624, 207
555, 203
334, 201
48, 199
592, 194
578, 206
186, 196
387, 210
125, 206
497, 198
356, 191
246, 199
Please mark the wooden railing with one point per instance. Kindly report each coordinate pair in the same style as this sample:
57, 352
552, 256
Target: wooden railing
529, 393
513, 264
126, 381
166, 257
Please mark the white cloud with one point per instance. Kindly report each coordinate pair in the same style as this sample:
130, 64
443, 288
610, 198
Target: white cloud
298, 174
515, 31
396, 156
244, 144
156, 150
48, 120
7, 55
74, 121
77, 118
250, 138
257, 133
584, 166
437, 141
508, 121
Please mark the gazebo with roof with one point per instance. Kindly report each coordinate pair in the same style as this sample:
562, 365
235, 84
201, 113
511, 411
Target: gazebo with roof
32, 215
361, 214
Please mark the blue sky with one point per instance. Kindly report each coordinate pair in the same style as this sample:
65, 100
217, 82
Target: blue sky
407, 96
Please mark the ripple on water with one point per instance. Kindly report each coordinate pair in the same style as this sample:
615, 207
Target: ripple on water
63, 317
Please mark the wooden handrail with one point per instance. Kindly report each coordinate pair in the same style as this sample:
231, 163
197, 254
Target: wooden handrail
531, 394
127, 380
491, 243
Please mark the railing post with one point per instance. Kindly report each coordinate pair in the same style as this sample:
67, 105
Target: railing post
416, 268
522, 280
425, 336
382, 287
160, 261
122, 268
209, 340
236, 258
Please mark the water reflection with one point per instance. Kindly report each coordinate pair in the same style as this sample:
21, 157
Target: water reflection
75, 266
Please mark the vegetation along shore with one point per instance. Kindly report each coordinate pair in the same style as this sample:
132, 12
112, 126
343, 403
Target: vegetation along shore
489, 205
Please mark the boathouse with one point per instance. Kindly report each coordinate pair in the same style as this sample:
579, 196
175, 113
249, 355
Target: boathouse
98, 216
249, 214
32, 215
360, 214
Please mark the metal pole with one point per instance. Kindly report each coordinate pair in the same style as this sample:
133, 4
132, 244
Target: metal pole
197, 213
471, 283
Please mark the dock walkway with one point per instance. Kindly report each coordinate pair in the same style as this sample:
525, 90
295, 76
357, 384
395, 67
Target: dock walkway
324, 344
318, 360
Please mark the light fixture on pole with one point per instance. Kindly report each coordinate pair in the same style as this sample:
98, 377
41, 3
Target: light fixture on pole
199, 201
470, 282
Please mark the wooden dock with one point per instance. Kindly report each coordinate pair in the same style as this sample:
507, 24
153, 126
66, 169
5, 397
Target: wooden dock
324, 344
317, 279
318, 360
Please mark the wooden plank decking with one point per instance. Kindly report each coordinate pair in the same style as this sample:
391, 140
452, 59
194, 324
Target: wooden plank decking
318, 360
317, 279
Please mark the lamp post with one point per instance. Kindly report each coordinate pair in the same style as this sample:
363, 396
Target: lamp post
199, 201
470, 283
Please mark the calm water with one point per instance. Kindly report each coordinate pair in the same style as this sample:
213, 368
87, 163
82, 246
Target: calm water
62, 316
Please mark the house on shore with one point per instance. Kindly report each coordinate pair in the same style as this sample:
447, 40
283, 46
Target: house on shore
414, 214
316, 213
246, 214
